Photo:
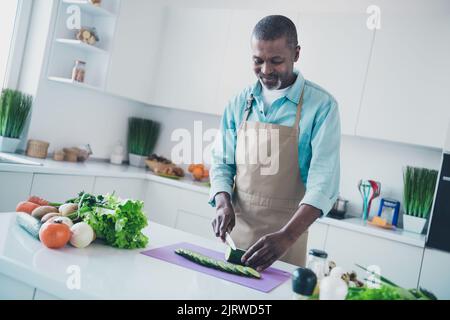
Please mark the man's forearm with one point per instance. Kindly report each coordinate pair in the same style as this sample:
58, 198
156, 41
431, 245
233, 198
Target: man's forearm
300, 222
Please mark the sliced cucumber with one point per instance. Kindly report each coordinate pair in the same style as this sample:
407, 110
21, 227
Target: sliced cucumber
218, 264
234, 256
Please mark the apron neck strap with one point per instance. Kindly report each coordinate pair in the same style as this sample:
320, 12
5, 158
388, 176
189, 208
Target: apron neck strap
248, 107
299, 111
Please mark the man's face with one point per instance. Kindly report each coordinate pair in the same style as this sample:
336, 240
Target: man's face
273, 62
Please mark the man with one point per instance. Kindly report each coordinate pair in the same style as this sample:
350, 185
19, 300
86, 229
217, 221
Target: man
269, 214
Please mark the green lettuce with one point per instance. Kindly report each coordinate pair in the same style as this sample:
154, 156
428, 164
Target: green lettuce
118, 222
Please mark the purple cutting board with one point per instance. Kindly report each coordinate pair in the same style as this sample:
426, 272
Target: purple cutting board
270, 278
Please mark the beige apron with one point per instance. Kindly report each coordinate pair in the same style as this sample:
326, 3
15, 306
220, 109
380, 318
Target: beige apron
264, 203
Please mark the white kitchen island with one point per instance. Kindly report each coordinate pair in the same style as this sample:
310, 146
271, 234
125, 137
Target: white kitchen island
29, 270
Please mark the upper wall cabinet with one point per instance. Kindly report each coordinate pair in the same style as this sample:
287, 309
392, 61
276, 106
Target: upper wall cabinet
135, 53
237, 64
335, 55
191, 58
407, 96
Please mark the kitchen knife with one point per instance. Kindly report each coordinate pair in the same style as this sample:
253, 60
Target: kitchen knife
229, 241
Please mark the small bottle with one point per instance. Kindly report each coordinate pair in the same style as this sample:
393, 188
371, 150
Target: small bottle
317, 262
303, 283
79, 71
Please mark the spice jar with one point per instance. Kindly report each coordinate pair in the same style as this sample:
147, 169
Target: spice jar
79, 71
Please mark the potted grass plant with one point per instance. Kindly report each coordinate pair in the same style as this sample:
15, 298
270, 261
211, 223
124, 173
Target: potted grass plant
142, 136
418, 194
15, 108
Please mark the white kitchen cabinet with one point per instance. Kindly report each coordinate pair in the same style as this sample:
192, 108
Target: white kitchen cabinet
406, 97
14, 187
237, 57
194, 224
136, 50
161, 203
179, 208
194, 214
58, 188
125, 188
397, 261
335, 51
191, 57
12, 289
434, 275
317, 236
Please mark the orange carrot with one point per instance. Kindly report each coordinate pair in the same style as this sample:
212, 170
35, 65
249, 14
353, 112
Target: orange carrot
38, 201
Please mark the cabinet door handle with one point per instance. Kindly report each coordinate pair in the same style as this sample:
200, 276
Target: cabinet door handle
446, 178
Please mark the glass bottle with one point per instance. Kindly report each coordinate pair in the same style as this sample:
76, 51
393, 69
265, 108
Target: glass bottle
317, 262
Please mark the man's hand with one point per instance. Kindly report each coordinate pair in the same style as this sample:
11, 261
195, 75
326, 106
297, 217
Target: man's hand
271, 247
267, 250
225, 218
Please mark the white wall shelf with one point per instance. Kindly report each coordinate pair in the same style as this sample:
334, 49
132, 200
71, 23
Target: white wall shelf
87, 7
74, 83
66, 49
81, 45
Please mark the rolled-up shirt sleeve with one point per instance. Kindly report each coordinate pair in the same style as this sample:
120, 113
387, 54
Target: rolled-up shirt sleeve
322, 186
223, 166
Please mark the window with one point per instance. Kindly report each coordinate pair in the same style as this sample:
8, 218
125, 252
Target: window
8, 13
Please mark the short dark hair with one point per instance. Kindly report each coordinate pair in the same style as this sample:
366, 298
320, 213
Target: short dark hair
275, 27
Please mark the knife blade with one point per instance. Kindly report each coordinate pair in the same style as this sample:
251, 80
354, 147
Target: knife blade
229, 241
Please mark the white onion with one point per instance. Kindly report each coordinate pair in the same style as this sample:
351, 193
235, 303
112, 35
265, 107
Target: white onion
82, 235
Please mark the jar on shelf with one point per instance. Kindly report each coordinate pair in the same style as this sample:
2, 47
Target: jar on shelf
96, 3
79, 71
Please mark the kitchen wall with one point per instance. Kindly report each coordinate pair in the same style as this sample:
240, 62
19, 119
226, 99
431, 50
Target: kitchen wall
66, 116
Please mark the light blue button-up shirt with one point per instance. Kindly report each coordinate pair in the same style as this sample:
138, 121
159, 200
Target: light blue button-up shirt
319, 140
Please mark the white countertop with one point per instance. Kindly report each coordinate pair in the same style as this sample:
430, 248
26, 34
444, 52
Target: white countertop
358, 225
105, 169
100, 168
110, 273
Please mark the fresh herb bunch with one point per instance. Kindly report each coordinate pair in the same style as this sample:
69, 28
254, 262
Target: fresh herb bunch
15, 108
142, 136
418, 191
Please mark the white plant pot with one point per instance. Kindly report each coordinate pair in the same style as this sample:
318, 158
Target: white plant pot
137, 160
8, 144
413, 224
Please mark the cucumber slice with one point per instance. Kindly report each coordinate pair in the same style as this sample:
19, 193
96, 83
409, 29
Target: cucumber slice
242, 270
234, 256
252, 272
224, 266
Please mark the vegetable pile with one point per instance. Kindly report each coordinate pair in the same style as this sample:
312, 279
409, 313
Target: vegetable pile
385, 289
388, 290
83, 219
